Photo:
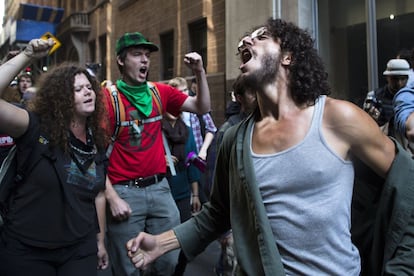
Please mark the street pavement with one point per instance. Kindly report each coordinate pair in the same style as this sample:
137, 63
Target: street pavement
202, 265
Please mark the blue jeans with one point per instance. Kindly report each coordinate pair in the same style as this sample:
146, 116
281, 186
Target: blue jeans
153, 211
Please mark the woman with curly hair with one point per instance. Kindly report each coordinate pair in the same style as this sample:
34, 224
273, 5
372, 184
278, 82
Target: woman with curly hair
55, 218
284, 176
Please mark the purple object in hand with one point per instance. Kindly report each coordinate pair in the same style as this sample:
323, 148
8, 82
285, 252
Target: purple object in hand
192, 158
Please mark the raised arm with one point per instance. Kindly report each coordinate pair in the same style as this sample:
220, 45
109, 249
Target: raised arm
199, 104
14, 120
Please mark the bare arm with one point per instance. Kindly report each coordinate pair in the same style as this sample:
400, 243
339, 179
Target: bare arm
146, 248
120, 209
208, 139
210, 130
201, 102
195, 202
13, 120
100, 210
348, 129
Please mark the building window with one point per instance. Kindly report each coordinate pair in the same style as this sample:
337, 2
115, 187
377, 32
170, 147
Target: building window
394, 32
343, 42
198, 38
167, 55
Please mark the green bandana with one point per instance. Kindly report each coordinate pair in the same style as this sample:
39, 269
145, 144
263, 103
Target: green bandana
139, 96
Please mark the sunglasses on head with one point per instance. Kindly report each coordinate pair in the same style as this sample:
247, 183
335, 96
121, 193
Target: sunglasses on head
255, 34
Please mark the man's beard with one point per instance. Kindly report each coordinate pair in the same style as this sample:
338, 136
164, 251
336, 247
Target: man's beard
265, 75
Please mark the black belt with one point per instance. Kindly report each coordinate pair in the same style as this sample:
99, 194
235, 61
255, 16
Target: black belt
143, 181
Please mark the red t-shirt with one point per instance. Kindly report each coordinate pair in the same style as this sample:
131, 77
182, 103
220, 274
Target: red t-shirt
133, 155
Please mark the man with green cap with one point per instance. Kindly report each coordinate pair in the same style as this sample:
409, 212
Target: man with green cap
137, 192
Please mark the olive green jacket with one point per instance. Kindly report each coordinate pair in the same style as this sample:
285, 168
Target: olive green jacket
383, 218
383, 228
254, 243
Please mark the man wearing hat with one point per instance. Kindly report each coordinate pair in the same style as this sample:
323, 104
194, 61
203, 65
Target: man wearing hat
378, 103
404, 117
137, 192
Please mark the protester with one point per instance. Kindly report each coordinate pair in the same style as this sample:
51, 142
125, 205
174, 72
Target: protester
378, 103
184, 185
403, 103
55, 223
246, 99
137, 191
204, 130
284, 177
408, 55
24, 81
248, 103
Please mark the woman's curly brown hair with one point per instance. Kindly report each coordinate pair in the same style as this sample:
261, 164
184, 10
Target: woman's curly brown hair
54, 104
308, 78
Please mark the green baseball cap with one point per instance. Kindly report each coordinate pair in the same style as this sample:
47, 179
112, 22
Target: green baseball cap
134, 39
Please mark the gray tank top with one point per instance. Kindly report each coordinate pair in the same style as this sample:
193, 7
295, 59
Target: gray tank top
307, 192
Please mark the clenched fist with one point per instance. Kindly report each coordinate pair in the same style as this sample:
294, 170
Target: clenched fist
38, 48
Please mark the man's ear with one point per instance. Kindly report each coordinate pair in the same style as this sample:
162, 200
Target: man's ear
286, 58
239, 98
120, 62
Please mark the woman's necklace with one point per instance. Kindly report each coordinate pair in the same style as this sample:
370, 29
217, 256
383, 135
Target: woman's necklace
83, 154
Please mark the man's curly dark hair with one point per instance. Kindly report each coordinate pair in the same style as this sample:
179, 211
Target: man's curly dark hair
308, 78
54, 104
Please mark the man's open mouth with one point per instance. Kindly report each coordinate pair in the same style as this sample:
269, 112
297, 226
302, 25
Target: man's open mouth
245, 55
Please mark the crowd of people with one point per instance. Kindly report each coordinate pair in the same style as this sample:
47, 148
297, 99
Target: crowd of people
118, 174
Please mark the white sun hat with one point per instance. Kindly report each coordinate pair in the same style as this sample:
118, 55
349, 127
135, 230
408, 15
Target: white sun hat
397, 67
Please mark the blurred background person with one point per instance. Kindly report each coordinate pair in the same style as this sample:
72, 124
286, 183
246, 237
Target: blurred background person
184, 185
246, 99
408, 55
25, 80
204, 130
378, 103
